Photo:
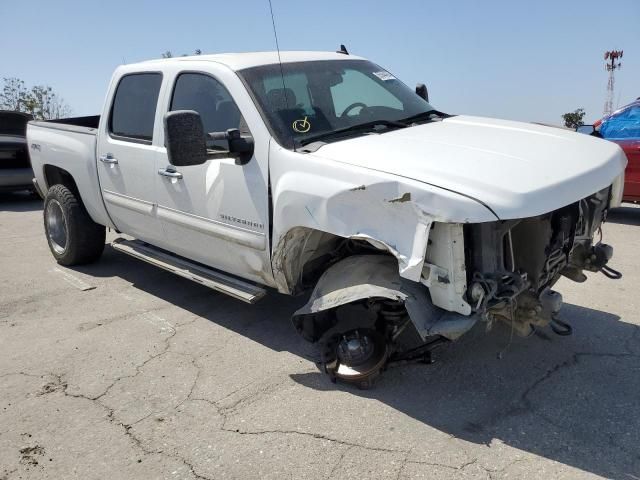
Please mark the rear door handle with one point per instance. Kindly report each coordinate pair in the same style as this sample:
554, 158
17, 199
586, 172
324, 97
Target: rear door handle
108, 158
169, 173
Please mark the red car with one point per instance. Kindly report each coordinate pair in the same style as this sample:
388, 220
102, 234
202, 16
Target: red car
623, 128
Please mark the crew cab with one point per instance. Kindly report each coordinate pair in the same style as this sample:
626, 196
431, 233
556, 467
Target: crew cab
322, 172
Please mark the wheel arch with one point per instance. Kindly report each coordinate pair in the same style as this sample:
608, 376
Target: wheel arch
54, 175
91, 200
303, 254
361, 277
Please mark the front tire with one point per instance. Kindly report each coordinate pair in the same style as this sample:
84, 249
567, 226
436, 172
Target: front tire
73, 237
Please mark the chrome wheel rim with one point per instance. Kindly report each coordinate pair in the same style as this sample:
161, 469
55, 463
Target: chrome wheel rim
56, 227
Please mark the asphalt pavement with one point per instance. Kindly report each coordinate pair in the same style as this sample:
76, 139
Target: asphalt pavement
119, 370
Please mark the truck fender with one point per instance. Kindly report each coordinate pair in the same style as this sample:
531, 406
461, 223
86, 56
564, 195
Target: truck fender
376, 276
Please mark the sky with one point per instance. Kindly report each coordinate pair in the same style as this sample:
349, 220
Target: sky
521, 60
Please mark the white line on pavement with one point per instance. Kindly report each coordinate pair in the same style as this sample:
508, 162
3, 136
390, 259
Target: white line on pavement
73, 280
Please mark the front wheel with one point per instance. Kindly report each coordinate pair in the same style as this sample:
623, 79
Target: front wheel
73, 237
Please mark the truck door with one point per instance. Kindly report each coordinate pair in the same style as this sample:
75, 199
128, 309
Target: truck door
127, 156
217, 213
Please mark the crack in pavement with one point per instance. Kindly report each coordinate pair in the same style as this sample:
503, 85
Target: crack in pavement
491, 472
60, 381
25, 374
444, 465
337, 464
318, 436
524, 405
635, 336
403, 465
136, 441
574, 360
139, 367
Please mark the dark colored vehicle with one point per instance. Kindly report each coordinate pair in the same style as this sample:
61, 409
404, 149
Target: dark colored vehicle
15, 167
623, 128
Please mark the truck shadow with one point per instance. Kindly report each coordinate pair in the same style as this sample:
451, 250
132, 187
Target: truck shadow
574, 400
19, 202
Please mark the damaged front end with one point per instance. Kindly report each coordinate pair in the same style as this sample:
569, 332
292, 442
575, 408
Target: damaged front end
513, 264
365, 315
360, 312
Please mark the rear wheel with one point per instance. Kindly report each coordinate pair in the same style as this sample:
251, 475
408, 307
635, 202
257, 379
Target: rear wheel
73, 237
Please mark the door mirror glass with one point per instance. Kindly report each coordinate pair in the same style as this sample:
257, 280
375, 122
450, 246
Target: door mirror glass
421, 91
239, 146
184, 138
589, 130
586, 129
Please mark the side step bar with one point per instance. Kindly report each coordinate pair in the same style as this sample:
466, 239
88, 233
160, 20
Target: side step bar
221, 282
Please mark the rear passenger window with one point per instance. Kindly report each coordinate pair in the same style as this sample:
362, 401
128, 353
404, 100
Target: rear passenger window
134, 107
208, 97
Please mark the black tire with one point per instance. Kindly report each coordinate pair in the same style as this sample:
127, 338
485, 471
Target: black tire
72, 236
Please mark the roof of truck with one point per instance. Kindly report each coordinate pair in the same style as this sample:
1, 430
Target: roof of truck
238, 61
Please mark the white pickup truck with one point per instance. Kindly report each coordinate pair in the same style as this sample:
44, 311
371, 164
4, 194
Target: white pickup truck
322, 172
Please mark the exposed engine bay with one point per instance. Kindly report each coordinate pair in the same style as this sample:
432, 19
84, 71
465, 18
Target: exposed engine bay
512, 265
365, 317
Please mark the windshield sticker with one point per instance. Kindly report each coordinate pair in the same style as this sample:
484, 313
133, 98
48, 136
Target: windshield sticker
302, 126
384, 76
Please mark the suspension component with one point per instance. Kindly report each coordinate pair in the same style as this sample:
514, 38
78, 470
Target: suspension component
356, 356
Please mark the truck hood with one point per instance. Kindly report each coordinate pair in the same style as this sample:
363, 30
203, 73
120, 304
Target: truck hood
515, 169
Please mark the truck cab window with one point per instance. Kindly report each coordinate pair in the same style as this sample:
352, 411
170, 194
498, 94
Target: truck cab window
134, 106
356, 87
306, 100
208, 97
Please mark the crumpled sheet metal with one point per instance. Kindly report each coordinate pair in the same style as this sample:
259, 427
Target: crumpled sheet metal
384, 214
374, 276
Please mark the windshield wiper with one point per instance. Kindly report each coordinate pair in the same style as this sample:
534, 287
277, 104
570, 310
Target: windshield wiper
423, 116
353, 128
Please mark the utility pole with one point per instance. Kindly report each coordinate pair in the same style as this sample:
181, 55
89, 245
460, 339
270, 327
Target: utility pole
612, 63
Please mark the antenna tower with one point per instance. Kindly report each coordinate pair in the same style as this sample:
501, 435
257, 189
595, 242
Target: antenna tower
612, 63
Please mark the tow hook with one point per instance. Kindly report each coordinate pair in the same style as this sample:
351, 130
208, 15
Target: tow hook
598, 259
560, 328
551, 301
611, 273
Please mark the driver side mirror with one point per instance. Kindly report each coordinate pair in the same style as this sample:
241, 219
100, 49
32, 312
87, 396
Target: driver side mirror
240, 146
588, 130
186, 143
184, 138
421, 91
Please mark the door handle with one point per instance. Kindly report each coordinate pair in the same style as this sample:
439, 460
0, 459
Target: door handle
108, 158
169, 173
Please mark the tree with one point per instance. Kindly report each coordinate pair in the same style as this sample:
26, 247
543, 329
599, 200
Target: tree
40, 101
14, 95
574, 119
168, 53
44, 104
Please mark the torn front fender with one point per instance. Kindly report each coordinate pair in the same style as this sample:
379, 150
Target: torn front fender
376, 276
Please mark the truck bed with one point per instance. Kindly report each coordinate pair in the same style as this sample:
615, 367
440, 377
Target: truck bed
69, 145
87, 124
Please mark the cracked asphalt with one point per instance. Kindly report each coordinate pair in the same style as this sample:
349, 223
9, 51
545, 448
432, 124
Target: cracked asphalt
119, 370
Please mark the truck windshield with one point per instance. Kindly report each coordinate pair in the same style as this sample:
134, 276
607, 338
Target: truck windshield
331, 99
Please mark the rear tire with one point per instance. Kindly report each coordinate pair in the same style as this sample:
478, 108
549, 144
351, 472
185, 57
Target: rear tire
73, 237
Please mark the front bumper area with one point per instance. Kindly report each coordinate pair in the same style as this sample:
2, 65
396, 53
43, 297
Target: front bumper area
513, 265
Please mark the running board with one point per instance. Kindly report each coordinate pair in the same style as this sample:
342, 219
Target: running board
221, 282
